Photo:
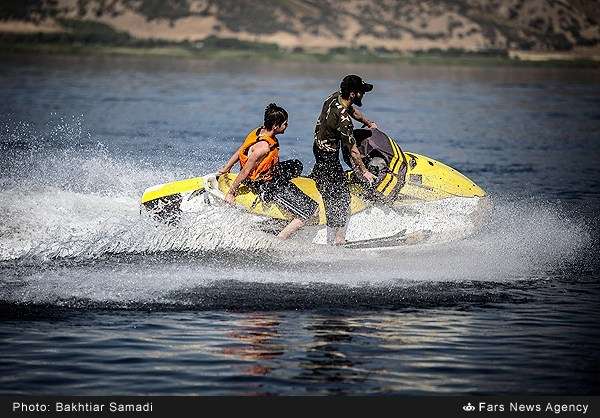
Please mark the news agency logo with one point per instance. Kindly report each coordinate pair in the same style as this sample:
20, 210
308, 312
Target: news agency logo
468, 407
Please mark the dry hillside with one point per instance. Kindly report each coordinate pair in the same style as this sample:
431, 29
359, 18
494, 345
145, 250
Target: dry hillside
408, 25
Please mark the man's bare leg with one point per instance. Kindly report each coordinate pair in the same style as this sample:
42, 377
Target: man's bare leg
340, 236
336, 236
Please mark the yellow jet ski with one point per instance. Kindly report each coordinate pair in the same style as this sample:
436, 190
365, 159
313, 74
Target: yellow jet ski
402, 177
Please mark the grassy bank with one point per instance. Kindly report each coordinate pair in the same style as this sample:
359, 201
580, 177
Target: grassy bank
107, 44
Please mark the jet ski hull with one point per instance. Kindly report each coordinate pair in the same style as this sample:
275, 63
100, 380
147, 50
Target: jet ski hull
426, 179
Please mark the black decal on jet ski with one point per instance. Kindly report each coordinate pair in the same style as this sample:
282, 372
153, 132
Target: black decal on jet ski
377, 242
401, 238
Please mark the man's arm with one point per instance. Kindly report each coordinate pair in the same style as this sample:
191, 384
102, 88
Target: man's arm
258, 151
358, 116
345, 128
358, 163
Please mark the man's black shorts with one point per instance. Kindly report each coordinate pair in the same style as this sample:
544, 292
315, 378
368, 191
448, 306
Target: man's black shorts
333, 186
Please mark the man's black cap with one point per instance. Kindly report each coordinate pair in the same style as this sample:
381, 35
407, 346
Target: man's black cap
353, 82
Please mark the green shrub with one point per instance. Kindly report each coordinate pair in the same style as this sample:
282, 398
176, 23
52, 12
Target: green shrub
92, 32
214, 42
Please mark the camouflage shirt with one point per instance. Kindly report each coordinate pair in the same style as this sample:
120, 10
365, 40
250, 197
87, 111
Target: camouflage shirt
334, 125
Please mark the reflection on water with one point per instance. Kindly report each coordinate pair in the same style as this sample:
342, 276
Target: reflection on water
327, 357
492, 348
257, 335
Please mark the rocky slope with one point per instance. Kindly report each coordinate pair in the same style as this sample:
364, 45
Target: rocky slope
408, 25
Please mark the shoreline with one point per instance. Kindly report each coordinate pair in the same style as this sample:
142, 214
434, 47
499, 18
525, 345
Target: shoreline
257, 54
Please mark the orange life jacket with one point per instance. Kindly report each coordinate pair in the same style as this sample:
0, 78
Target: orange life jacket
264, 168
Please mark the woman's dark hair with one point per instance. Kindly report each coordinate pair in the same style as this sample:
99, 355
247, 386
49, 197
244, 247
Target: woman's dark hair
274, 115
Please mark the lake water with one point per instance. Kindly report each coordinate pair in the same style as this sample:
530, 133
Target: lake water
96, 299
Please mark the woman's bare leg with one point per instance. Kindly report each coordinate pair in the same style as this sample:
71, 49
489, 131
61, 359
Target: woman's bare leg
291, 228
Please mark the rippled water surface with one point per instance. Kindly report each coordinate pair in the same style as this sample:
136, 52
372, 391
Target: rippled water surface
98, 299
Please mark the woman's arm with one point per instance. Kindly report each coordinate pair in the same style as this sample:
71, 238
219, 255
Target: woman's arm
257, 153
227, 167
